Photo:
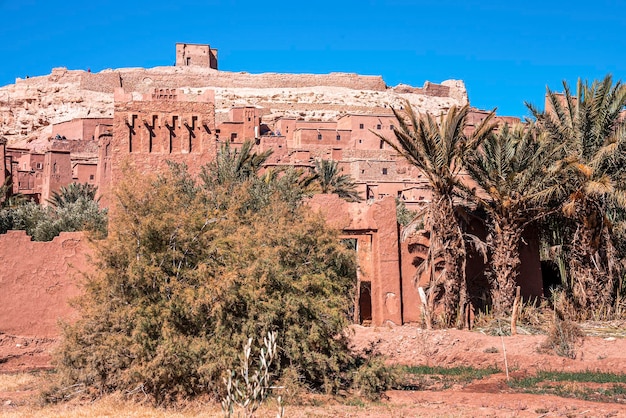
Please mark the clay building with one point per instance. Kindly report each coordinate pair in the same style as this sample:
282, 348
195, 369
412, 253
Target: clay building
244, 124
26, 171
151, 129
364, 128
82, 129
196, 54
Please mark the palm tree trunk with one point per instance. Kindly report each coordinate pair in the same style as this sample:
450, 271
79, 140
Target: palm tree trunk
505, 264
447, 238
592, 279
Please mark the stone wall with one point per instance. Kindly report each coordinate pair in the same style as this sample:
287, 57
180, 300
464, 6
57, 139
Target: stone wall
38, 279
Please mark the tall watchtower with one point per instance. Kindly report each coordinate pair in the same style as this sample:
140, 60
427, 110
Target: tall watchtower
196, 54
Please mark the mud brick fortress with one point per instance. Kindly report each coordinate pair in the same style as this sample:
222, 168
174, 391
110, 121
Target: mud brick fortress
78, 126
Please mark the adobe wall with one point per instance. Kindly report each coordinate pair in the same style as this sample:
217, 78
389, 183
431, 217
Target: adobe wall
38, 279
375, 228
144, 80
57, 173
149, 131
325, 138
414, 251
75, 146
83, 129
429, 89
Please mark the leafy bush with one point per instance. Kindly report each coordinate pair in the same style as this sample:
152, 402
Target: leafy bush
374, 377
74, 209
190, 270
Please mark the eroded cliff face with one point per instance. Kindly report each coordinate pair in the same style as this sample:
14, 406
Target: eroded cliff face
29, 107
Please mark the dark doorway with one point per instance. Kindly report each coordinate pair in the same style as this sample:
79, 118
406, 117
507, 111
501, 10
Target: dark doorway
551, 277
365, 302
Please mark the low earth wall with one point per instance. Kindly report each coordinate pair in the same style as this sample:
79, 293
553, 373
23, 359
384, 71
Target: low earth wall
37, 279
144, 80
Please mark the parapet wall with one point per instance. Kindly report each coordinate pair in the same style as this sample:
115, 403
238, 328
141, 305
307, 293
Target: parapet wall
37, 280
145, 80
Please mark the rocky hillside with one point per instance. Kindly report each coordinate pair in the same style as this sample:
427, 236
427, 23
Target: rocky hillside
29, 107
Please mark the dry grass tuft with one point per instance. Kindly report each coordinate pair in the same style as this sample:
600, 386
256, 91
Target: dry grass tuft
564, 338
19, 381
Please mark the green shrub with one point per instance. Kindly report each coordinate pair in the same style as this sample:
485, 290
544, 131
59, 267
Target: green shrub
373, 377
189, 271
74, 209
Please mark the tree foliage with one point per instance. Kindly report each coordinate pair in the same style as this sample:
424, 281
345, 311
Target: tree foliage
74, 209
327, 178
191, 269
438, 148
520, 180
590, 123
72, 193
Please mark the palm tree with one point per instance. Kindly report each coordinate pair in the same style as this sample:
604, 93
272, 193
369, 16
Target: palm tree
518, 176
234, 165
591, 125
326, 178
438, 149
72, 193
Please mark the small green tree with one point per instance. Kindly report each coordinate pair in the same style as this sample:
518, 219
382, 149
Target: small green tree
72, 193
73, 208
326, 178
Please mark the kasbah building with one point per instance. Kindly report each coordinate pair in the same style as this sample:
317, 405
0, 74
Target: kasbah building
78, 126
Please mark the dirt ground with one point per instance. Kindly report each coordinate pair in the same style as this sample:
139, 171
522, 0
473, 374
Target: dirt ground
406, 345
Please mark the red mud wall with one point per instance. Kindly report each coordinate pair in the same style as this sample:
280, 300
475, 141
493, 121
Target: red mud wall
37, 279
144, 80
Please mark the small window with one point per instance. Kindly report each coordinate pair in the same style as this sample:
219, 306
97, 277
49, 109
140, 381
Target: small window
379, 127
233, 136
249, 119
338, 137
384, 171
39, 166
361, 126
382, 144
391, 127
91, 177
360, 141
319, 137
362, 171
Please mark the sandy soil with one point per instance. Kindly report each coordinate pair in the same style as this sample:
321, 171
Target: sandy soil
408, 345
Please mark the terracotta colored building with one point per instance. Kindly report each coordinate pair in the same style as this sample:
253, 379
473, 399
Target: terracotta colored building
196, 54
151, 129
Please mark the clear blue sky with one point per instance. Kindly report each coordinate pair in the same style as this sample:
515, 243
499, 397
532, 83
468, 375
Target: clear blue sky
505, 51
